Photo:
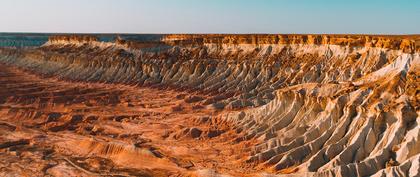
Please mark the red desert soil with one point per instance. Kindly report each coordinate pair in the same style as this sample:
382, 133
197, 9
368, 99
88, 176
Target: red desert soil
80, 129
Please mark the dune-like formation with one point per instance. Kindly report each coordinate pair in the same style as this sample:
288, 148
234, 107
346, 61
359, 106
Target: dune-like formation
213, 104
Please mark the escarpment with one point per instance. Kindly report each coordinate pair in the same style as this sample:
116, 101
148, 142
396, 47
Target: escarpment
408, 44
314, 105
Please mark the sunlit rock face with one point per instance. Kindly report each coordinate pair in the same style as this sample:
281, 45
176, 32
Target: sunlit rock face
313, 105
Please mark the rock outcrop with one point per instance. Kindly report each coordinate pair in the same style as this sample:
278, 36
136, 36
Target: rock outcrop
408, 44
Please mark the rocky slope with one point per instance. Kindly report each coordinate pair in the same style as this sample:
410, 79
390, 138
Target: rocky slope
315, 105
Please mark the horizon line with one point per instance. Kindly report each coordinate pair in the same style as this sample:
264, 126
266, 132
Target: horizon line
143, 33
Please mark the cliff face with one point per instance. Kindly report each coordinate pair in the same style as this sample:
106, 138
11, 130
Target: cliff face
71, 39
211, 67
408, 44
321, 105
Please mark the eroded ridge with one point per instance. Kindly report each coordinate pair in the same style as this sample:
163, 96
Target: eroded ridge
316, 105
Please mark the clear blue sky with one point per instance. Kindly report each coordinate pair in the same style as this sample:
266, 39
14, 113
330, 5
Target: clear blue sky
211, 16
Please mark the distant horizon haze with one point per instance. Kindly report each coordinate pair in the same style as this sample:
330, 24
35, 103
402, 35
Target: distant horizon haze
384, 17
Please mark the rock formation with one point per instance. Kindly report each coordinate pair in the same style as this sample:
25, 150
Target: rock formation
312, 105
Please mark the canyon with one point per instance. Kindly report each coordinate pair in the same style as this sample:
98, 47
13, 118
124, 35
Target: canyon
210, 105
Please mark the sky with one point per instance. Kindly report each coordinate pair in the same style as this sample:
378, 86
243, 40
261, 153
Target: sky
211, 16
